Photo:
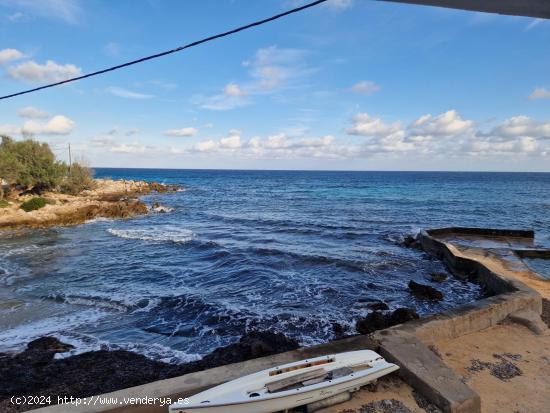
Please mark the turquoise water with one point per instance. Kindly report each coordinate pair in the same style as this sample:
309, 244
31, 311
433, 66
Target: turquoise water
287, 251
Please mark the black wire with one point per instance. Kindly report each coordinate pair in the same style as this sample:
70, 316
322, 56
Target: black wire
178, 49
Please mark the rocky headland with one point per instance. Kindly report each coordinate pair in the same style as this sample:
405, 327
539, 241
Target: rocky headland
108, 199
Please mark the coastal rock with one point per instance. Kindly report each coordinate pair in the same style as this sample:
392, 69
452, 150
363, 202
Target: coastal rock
377, 320
411, 241
378, 306
438, 276
156, 207
339, 330
402, 315
35, 371
49, 344
251, 345
423, 291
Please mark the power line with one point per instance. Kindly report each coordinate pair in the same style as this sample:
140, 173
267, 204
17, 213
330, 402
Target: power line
178, 49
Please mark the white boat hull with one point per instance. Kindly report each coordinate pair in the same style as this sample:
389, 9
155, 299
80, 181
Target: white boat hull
234, 396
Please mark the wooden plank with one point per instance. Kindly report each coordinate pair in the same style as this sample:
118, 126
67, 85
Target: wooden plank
298, 378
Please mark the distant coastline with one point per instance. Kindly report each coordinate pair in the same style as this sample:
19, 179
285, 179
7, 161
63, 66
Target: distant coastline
109, 199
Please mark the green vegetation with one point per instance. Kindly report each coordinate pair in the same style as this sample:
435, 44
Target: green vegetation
33, 204
31, 165
77, 180
4, 203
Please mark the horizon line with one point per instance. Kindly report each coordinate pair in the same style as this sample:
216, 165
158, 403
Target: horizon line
322, 170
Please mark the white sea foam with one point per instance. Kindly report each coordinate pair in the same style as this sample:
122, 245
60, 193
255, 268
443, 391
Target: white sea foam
58, 325
156, 234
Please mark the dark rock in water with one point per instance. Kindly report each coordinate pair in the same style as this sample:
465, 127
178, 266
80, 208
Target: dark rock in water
402, 315
411, 242
438, 276
378, 306
252, 345
338, 330
371, 322
48, 344
378, 320
424, 291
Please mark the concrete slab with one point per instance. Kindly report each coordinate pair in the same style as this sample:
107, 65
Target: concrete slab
425, 372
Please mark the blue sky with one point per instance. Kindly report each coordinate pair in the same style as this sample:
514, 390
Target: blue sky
354, 84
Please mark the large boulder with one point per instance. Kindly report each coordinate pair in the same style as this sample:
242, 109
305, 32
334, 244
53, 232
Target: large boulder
377, 320
251, 345
424, 292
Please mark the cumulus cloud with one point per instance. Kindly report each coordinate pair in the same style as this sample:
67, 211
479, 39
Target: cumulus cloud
521, 126
183, 132
31, 112
366, 125
49, 72
233, 141
365, 87
127, 94
58, 125
8, 55
205, 146
540, 93
449, 135
447, 124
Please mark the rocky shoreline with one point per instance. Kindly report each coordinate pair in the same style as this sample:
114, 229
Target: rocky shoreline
109, 199
36, 370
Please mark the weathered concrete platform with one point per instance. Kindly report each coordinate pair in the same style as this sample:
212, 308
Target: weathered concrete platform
500, 271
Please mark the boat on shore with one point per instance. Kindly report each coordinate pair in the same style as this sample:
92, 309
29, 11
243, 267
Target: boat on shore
290, 385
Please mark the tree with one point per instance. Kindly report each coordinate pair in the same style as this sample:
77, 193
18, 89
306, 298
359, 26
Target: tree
31, 164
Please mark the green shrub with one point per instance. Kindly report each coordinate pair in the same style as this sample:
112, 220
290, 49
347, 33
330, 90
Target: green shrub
33, 204
30, 163
78, 179
4, 203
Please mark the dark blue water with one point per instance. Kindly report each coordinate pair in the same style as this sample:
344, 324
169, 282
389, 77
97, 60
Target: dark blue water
288, 251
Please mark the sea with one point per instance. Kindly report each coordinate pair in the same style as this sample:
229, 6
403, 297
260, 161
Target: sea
296, 252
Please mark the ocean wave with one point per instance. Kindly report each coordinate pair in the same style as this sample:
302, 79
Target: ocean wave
155, 234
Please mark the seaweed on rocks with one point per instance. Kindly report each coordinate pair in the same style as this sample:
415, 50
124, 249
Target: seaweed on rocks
36, 371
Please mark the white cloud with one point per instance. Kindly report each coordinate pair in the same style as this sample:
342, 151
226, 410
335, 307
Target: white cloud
533, 23
521, 126
232, 89
183, 132
339, 4
17, 16
447, 124
49, 72
271, 69
365, 87
31, 112
8, 55
102, 141
133, 148
233, 141
9, 130
58, 125
127, 94
540, 93
366, 125
66, 10
205, 146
